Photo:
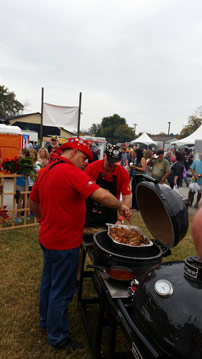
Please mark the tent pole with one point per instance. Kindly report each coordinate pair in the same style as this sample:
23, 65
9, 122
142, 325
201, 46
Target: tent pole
41, 125
79, 114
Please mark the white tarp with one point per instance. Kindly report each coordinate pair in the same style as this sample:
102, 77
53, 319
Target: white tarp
12, 130
190, 140
60, 116
144, 138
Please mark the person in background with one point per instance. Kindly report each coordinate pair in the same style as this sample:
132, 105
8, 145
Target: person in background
58, 201
197, 230
55, 149
20, 187
196, 169
138, 167
131, 159
176, 175
124, 158
28, 145
168, 156
148, 156
43, 157
187, 158
33, 154
172, 157
187, 163
35, 146
185, 177
160, 167
95, 155
191, 157
110, 175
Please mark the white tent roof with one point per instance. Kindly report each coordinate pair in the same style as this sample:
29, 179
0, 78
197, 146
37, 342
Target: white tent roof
190, 140
144, 138
13, 130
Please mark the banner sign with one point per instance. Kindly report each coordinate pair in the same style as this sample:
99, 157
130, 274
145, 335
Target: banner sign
60, 116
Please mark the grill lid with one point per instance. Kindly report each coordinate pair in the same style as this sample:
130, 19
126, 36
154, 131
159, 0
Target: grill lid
164, 211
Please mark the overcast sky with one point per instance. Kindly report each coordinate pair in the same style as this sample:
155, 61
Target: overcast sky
141, 59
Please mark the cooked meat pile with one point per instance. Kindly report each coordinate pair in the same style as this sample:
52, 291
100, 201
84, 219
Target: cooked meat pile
130, 237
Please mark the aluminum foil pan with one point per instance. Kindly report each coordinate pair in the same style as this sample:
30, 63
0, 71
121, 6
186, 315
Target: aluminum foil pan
127, 247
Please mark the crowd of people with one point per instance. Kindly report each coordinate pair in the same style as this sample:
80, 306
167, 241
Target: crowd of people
41, 157
75, 183
171, 168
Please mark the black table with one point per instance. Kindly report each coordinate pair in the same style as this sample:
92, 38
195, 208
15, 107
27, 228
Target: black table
115, 303
107, 295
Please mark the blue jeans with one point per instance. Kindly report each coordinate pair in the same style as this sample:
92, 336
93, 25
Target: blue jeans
186, 180
58, 283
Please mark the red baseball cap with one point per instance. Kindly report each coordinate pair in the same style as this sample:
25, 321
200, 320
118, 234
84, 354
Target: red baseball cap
79, 144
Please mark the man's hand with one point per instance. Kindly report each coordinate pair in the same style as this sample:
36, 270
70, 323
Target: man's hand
125, 212
196, 231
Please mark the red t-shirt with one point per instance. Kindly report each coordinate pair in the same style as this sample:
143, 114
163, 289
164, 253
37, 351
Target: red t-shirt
122, 176
61, 192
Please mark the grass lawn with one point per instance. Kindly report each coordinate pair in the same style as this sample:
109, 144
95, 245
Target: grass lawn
21, 264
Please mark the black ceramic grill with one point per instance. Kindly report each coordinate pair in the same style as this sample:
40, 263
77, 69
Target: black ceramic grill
162, 315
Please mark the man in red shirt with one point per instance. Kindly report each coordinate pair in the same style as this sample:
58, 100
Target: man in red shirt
58, 200
109, 174
55, 149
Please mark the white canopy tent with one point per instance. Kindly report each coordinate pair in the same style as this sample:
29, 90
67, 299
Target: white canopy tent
190, 140
144, 138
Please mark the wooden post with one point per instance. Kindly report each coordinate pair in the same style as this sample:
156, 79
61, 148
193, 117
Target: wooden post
168, 128
79, 114
41, 126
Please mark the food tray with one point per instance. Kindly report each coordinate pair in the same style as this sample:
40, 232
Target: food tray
127, 247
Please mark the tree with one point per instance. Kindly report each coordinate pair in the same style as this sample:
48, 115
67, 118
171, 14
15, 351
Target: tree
193, 123
124, 133
9, 106
94, 129
115, 129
